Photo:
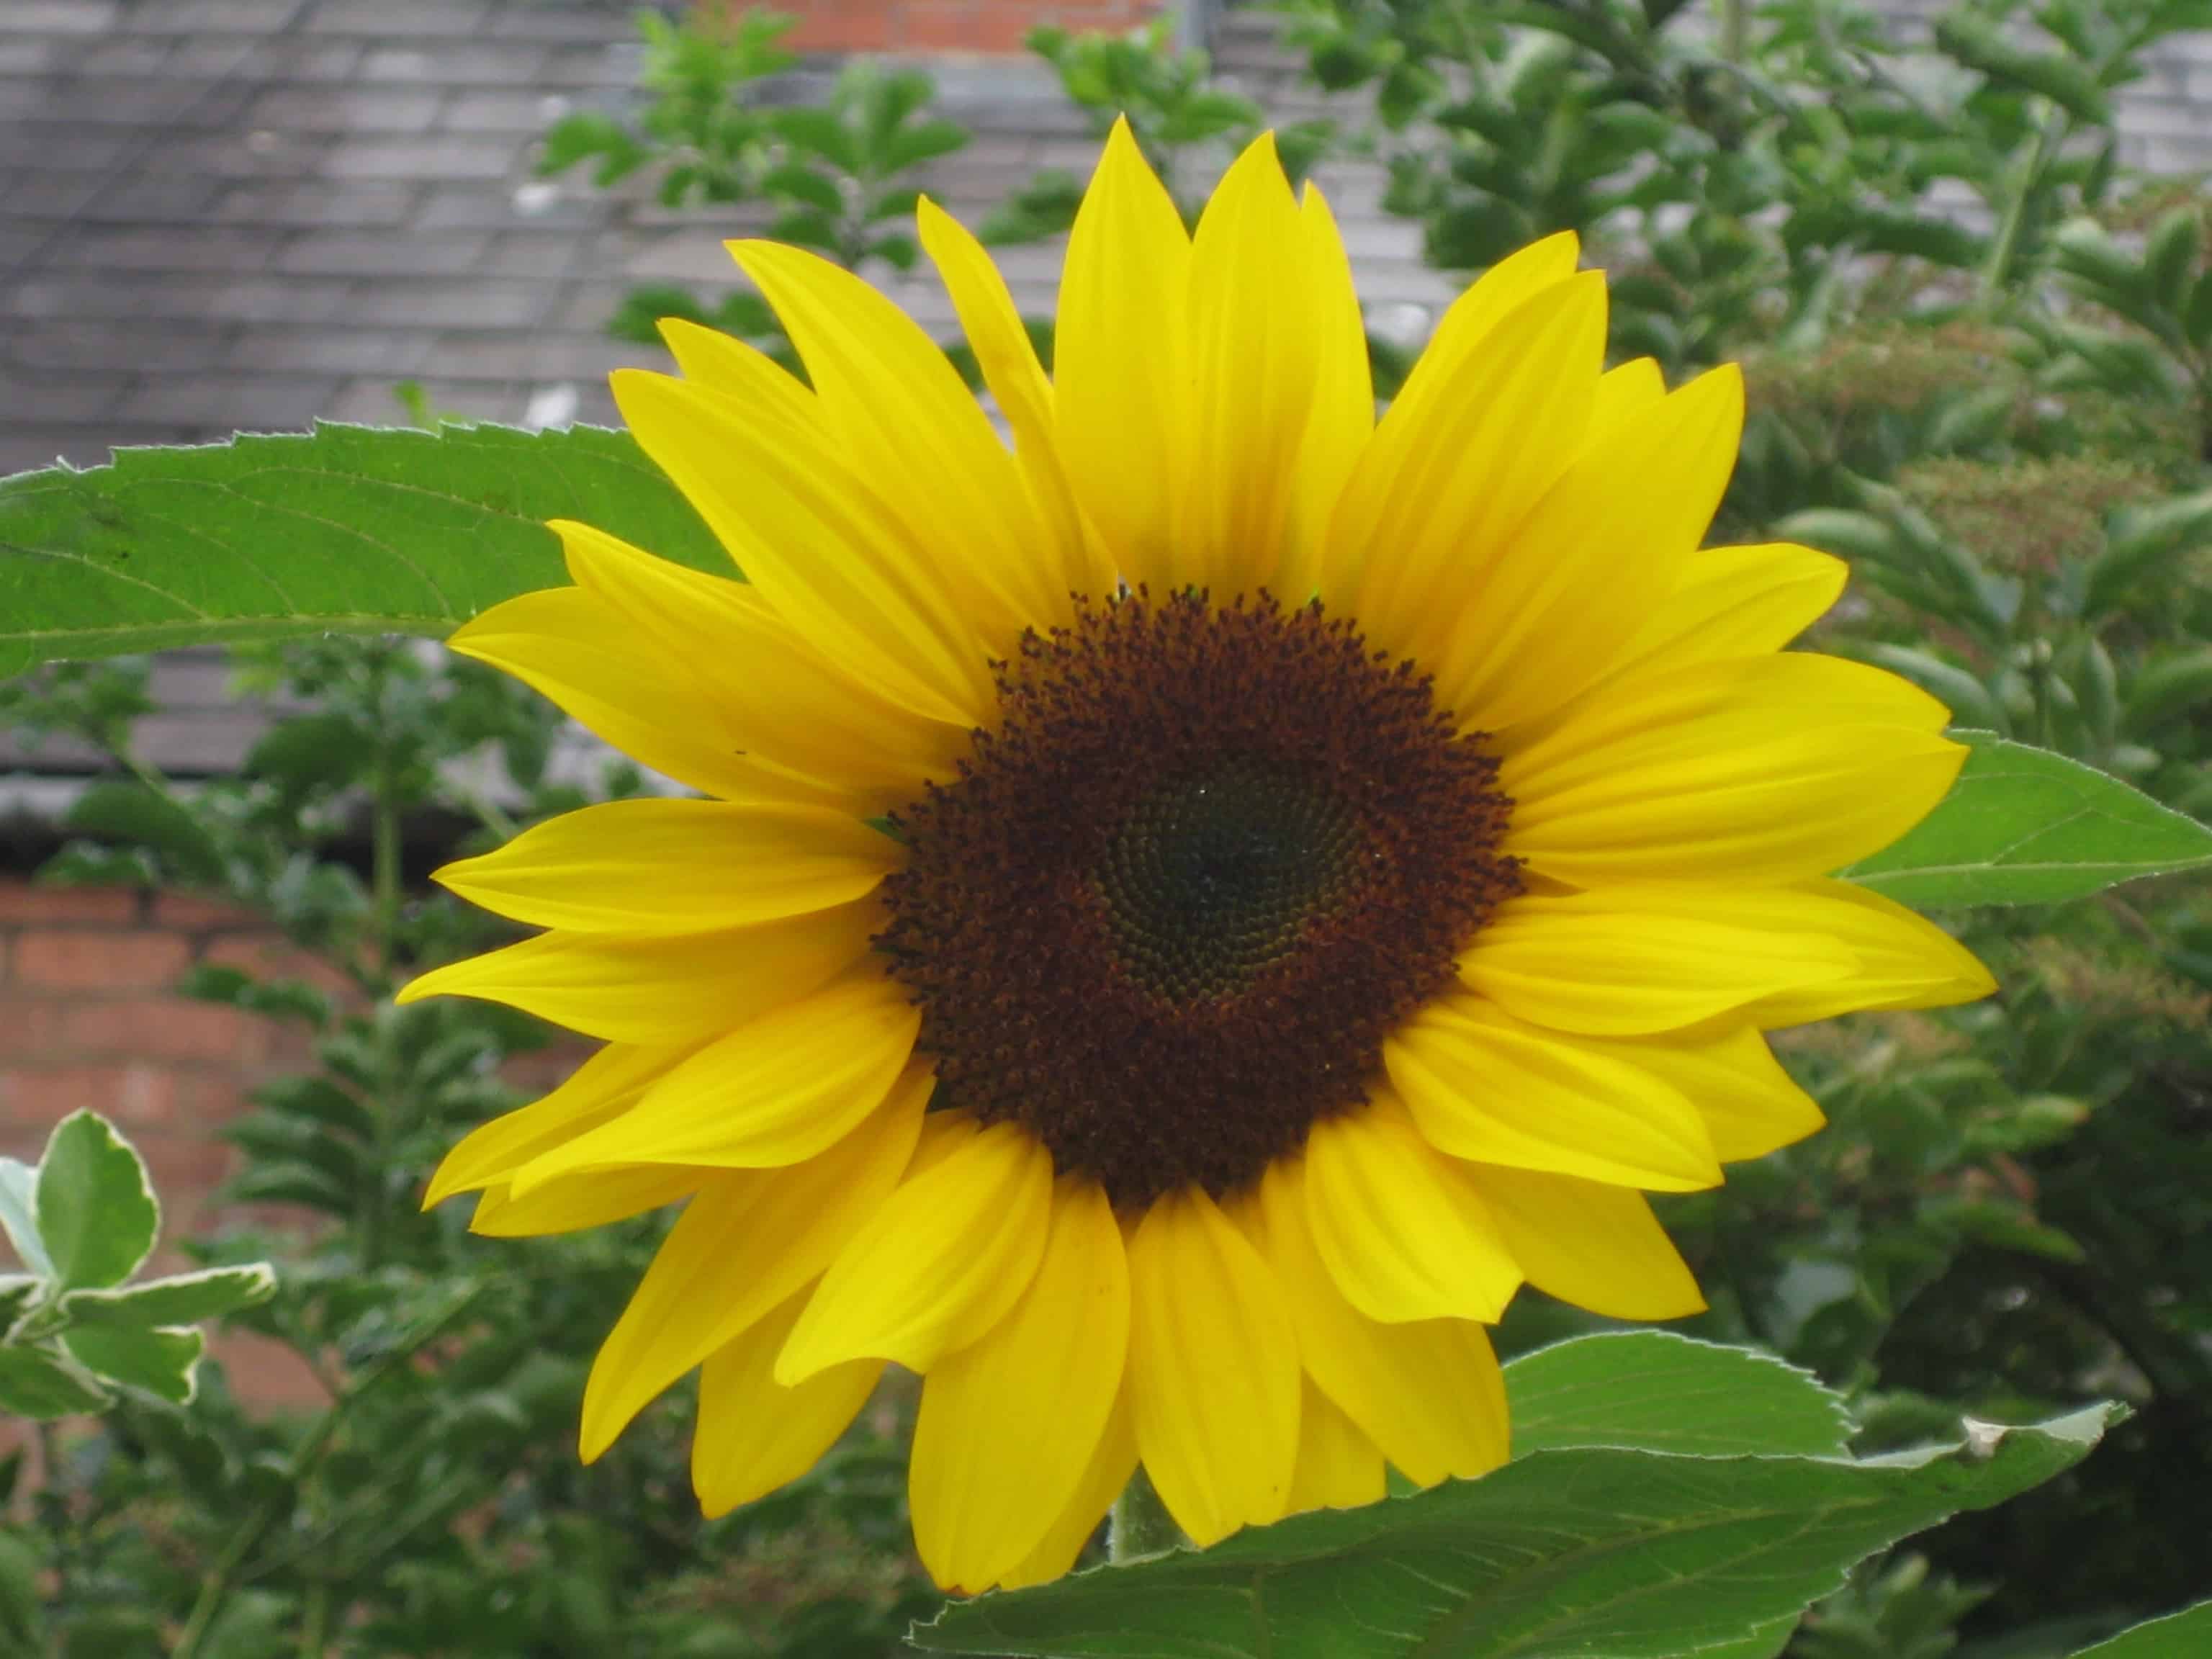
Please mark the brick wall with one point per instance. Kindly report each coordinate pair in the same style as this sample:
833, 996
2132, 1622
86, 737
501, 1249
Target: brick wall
89, 1017
954, 26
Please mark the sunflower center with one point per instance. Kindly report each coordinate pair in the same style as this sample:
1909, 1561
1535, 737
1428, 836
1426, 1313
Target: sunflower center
1204, 862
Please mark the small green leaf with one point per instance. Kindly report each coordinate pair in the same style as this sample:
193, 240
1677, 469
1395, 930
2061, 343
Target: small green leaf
17, 1292
161, 1363
36, 1384
2025, 826
1662, 1392
128, 811
96, 1210
2184, 1634
185, 1299
381, 532
22, 1622
2141, 538
1612, 1551
19, 1216
2167, 688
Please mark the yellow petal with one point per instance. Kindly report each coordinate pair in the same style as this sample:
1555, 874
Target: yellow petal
1337, 1466
1749, 1103
1630, 960
602, 1087
892, 402
577, 1201
1428, 1394
1904, 961
778, 1089
1487, 1087
824, 551
1404, 1233
791, 710
673, 989
1431, 506
1018, 384
678, 866
1009, 1424
938, 1264
1112, 1463
1579, 579
1343, 416
1733, 602
1213, 1369
754, 1434
1254, 356
1759, 769
1120, 355
565, 644
1461, 332
720, 363
1634, 387
1591, 1243
749, 1241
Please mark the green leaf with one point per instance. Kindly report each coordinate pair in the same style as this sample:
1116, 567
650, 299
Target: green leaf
17, 1292
1978, 45
19, 1216
2139, 540
347, 529
2025, 826
22, 1622
2167, 688
96, 1210
161, 1363
1661, 1392
36, 1384
1591, 1550
127, 811
2184, 1634
185, 1299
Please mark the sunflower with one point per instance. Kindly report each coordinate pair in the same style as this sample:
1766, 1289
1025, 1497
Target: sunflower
1194, 906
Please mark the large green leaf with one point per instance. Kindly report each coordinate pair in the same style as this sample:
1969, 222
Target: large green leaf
95, 1207
1661, 1392
2025, 826
1607, 1550
347, 529
2184, 1634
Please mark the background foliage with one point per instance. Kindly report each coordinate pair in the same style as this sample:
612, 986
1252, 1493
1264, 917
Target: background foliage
1980, 362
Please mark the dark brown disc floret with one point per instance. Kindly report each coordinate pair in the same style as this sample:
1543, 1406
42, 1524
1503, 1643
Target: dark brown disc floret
1203, 864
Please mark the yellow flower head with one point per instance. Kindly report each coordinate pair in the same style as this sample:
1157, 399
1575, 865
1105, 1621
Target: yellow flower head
1335, 867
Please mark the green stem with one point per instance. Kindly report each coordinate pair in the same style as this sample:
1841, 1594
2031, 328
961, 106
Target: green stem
1141, 1525
222, 1578
2004, 251
315, 1622
1736, 29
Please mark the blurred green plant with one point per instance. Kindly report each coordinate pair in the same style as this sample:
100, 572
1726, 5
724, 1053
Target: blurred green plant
75, 1332
835, 177
430, 1504
1186, 124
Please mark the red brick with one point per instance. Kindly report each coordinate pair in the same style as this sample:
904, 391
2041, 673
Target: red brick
265, 1372
270, 957
30, 1028
194, 913
21, 902
164, 1029
87, 960
136, 1094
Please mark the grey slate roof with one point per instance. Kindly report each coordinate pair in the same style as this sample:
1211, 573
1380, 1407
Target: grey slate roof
224, 214
227, 214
